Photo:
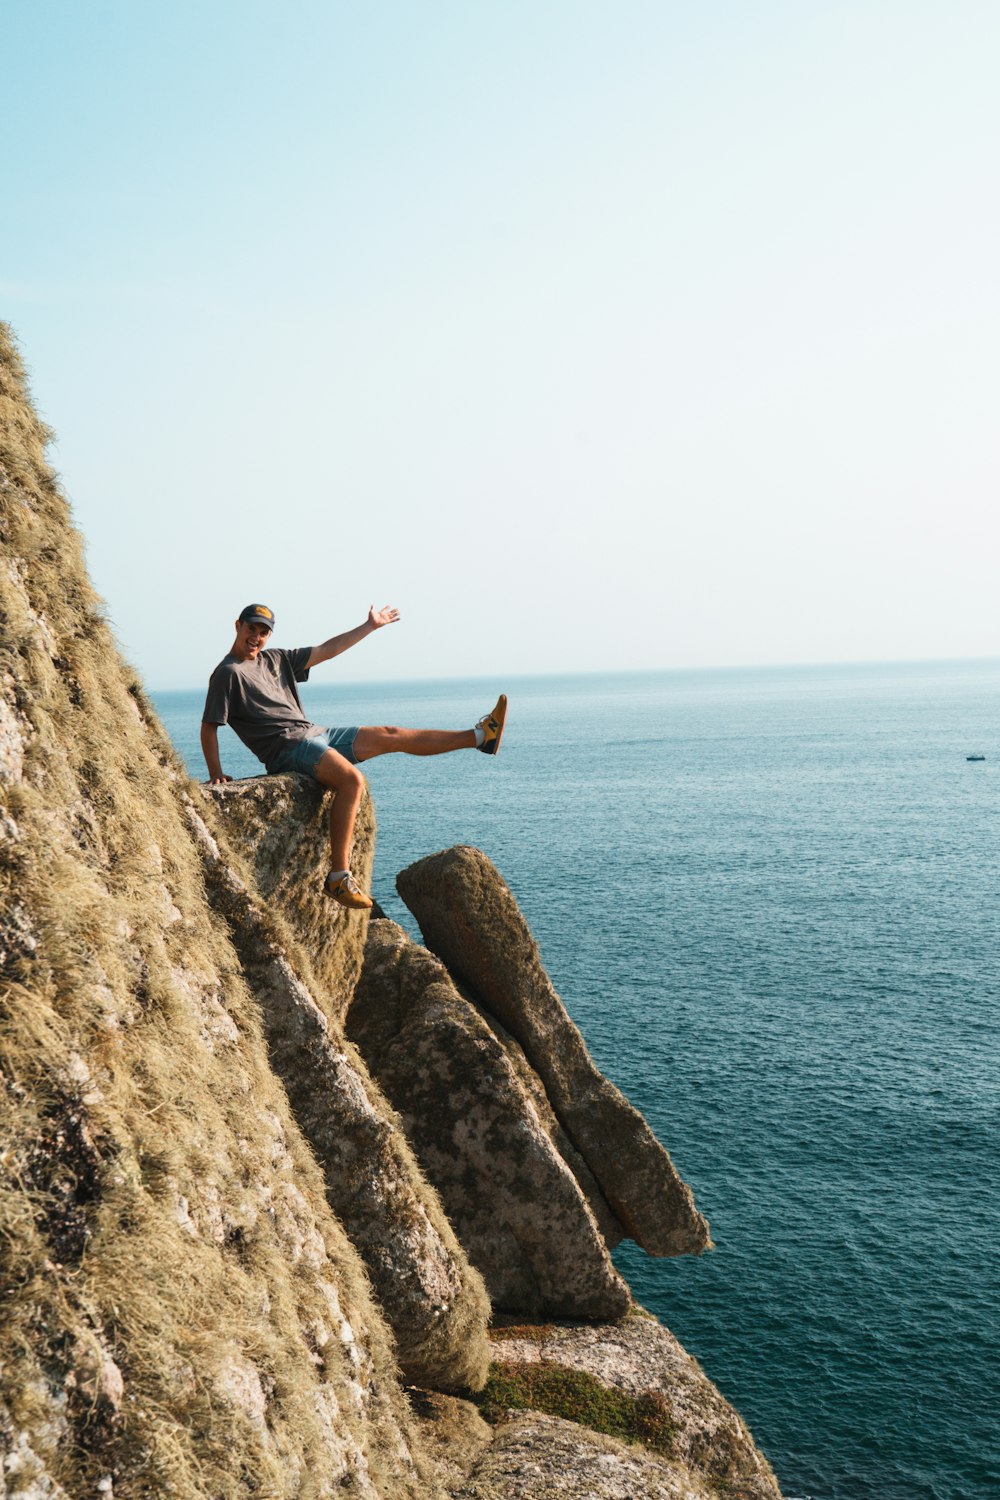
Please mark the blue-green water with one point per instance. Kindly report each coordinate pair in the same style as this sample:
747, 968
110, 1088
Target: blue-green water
769, 899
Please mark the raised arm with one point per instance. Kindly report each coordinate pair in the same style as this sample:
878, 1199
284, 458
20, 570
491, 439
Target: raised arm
210, 750
338, 643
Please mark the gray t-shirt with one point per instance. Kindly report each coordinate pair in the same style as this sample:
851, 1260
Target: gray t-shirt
260, 700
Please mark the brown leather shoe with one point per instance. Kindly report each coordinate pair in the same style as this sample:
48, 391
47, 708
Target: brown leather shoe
492, 726
346, 892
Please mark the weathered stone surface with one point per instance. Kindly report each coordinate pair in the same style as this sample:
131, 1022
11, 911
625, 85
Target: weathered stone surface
96, 1377
435, 1302
470, 919
611, 1230
12, 736
280, 824
515, 1203
640, 1355
29, 1449
535, 1457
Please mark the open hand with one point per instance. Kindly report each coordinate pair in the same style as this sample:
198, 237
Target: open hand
384, 616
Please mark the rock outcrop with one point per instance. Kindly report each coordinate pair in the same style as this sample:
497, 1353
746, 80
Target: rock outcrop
280, 825
538, 1457
640, 1358
469, 918
434, 1301
516, 1205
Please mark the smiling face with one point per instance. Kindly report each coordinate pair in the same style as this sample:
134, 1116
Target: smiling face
251, 638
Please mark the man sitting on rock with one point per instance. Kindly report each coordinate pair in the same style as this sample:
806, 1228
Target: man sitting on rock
254, 691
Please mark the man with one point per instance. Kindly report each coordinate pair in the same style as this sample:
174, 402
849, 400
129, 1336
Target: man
255, 692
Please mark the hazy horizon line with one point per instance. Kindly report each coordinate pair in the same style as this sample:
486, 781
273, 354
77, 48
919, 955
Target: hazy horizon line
583, 673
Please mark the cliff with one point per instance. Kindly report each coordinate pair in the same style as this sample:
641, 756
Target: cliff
242, 1253
183, 1312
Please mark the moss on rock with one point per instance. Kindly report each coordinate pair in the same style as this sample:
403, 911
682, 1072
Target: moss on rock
577, 1396
641, 1360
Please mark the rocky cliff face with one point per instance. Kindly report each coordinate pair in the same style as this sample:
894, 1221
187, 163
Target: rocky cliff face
231, 1235
183, 1312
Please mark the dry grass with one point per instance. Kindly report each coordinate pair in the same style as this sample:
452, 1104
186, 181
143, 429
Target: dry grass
158, 1208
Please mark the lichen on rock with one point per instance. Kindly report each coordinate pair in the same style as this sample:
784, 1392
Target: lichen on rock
280, 826
539, 1457
640, 1358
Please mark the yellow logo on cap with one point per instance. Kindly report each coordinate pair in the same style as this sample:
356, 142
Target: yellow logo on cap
261, 609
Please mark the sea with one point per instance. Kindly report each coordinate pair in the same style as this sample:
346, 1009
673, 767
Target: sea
769, 900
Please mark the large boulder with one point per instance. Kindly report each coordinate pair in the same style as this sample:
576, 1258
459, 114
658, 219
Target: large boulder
280, 826
433, 1299
482, 1141
470, 919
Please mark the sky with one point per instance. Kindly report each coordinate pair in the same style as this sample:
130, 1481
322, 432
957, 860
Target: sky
594, 337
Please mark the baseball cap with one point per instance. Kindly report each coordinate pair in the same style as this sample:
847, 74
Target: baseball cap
257, 614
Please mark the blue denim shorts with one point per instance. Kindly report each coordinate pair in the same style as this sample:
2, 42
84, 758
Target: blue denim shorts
305, 755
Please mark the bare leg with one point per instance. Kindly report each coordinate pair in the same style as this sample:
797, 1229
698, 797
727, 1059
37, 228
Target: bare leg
385, 739
348, 785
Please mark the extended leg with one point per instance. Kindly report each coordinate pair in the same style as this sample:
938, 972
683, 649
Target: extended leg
385, 739
388, 739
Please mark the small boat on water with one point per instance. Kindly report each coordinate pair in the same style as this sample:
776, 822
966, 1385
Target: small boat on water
975, 757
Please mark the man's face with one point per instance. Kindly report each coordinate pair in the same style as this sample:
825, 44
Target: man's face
251, 638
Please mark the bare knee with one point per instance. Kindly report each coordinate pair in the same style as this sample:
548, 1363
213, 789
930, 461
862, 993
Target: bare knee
377, 739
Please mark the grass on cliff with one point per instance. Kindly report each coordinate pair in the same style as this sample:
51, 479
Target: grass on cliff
577, 1396
718, 1451
158, 1207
